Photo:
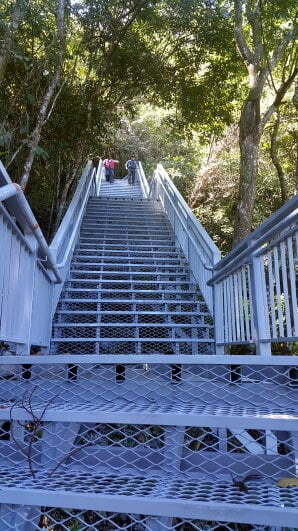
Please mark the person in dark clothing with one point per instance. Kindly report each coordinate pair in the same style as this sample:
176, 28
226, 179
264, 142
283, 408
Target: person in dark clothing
131, 166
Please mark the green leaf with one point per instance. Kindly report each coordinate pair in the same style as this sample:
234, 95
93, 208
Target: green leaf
39, 152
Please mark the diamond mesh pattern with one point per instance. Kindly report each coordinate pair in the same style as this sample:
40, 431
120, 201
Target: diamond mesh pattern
245, 390
57, 519
257, 457
195, 433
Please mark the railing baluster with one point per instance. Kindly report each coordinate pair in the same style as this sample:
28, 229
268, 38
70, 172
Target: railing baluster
292, 275
278, 292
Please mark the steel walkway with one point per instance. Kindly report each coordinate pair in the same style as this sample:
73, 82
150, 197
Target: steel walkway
131, 421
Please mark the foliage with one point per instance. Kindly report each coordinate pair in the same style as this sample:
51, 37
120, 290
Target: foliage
161, 79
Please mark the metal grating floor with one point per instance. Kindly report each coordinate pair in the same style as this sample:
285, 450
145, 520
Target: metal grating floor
135, 424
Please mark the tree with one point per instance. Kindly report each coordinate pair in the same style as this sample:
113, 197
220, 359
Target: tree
9, 34
49, 93
261, 60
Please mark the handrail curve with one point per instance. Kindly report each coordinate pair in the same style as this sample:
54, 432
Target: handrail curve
14, 190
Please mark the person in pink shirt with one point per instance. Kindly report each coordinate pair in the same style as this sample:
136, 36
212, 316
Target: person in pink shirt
109, 165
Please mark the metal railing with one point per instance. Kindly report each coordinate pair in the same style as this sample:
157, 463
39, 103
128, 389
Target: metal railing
28, 272
30, 276
143, 181
67, 235
255, 285
199, 249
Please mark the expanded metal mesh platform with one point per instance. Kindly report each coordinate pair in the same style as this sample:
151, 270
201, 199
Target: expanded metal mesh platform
262, 395
132, 422
60, 519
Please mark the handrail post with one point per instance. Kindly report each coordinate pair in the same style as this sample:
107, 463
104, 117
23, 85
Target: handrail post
218, 319
260, 307
28, 287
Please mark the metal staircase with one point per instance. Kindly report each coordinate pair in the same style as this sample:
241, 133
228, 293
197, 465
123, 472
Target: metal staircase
134, 418
129, 290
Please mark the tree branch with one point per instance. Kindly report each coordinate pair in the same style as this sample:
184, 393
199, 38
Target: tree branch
275, 158
278, 98
254, 16
242, 45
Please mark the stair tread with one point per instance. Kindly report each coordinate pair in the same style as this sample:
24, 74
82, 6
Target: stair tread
129, 281
132, 301
129, 325
168, 412
126, 491
156, 340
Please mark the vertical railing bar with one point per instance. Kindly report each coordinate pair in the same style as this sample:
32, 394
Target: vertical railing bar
278, 292
237, 312
232, 304
244, 287
229, 313
292, 274
265, 295
251, 311
271, 295
285, 287
240, 299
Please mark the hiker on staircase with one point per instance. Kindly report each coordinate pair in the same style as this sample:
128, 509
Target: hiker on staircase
131, 167
109, 165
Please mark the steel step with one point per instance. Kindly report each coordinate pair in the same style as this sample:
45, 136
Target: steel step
146, 217
110, 231
132, 295
143, 304
114, 283
128, 269
135, 257
130, 245
155, 319
85, 274
122, 238
133, 252
130, 261
153, 494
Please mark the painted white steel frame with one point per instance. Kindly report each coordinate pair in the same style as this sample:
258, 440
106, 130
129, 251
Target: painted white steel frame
156, 506
255, 285
30, 277
199, 249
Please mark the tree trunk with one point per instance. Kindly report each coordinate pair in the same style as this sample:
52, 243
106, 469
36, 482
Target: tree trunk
295, 103
276, 161
296, 166
36, 134
62, 201
6, 48
249, 140
65, 191
42, 114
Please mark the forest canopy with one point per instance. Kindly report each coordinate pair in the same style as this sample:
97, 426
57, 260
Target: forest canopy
207, 87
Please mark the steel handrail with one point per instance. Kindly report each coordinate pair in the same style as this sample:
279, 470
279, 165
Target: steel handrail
143, 180
279, 221
62, 230
32, 227
189, 216
269, 223
78, 222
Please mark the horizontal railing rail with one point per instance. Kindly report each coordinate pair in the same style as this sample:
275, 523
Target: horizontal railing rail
199, 249
143, 180
255, 285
